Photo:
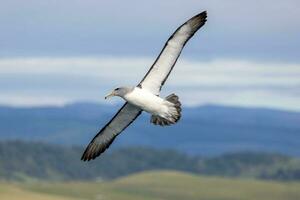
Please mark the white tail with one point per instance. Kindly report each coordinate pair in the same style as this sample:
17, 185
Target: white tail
174, 106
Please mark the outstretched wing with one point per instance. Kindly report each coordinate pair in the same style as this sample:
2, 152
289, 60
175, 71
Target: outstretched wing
124, 117
163, 65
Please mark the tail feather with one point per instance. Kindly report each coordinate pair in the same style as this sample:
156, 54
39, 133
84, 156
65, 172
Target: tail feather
157, 120
173, 115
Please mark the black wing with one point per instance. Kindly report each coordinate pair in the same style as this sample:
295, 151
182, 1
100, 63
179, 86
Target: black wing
124, 117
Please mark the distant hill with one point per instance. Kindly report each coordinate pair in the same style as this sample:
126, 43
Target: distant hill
31, 160
154, 185
206, 130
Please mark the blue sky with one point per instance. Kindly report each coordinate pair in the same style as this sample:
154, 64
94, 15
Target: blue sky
236, 29
57, 52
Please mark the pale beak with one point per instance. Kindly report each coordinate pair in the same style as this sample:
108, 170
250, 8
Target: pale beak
110, 95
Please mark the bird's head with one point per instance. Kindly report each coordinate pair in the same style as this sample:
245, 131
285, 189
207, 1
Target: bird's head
120, 91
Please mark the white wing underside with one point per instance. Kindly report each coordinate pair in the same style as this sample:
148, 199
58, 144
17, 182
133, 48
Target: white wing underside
162, 67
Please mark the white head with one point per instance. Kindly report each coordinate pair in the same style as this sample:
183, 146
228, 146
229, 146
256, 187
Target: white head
120, 91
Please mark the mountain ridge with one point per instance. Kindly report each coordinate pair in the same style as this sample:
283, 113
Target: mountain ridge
205, 130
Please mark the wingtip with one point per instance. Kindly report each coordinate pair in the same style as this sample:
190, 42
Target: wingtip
203, 15
92, 152
86, 158
204, 12
198, 20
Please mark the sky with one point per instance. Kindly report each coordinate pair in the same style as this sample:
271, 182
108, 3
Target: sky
57, 52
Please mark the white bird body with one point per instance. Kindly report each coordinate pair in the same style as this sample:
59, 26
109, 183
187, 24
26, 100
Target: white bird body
148, 102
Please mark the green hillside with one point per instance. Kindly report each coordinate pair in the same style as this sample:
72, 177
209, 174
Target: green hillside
23, 161
156, 185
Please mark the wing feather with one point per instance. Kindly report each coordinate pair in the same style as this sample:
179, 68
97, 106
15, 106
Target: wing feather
124, 117
163, 65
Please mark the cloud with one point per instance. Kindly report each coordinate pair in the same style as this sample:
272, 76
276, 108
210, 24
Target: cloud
56, 81
244, 29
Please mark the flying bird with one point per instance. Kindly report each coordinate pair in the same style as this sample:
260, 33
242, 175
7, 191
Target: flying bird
145, 96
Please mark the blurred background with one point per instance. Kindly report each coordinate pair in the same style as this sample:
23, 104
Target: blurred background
238, 79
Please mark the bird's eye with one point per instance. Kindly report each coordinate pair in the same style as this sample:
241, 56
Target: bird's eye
117, 88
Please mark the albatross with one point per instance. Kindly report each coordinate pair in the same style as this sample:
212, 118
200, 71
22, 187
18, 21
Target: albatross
145, 96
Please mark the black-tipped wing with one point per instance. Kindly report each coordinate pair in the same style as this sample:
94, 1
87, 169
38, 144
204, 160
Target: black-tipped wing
163, 65
124, 117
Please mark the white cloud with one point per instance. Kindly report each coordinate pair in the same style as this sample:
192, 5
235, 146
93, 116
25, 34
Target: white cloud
55, 81
264, 29
32, 100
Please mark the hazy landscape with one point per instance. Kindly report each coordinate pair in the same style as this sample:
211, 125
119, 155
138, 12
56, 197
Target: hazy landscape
204, 130
26, 161
40, 158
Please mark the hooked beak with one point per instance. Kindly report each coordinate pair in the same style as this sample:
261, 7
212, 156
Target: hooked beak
110, 95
